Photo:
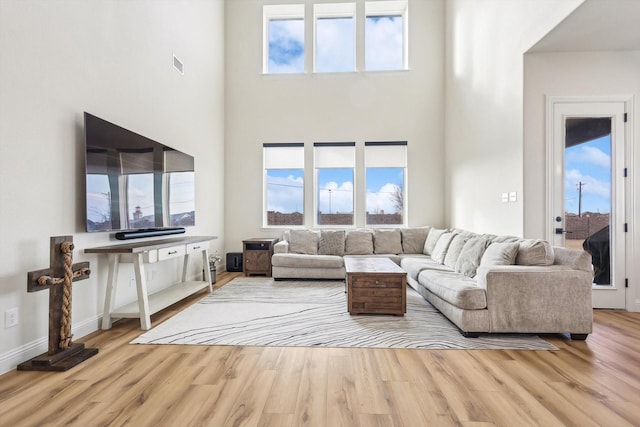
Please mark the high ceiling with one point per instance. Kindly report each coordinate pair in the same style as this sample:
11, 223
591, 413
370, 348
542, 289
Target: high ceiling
597, 25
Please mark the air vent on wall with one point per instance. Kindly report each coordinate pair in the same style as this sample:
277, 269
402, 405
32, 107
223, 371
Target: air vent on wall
177, 64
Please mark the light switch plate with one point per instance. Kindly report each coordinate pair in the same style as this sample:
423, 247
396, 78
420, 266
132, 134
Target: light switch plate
513, 196
505, 197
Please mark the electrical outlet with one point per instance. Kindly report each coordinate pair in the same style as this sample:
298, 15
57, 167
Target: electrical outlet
11, 317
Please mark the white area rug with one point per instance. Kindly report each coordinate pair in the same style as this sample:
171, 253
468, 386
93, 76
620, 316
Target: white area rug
263, 312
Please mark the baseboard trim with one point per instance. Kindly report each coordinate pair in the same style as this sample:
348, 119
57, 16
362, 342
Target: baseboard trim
12, 358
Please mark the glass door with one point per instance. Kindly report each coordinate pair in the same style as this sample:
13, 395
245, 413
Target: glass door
587, 191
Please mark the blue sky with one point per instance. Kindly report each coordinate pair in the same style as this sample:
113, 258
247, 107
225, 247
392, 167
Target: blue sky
589, 163
335, 44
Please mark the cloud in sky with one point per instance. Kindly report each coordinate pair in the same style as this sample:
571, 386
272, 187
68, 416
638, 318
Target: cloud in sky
591, 155
335, 45
383, 43
589, 163
382, 199
338, 195
285, 193
286, 46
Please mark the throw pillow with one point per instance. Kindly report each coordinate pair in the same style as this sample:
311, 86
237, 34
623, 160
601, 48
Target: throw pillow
331, 242
413, 239
440, 249
535, 252
470, 255
455, 247
359, 242
500, 254
303, 242
387, 242
432, 239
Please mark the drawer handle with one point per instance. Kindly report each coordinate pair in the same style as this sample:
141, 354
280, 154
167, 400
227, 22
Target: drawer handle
196, 247
377, 283
172, 252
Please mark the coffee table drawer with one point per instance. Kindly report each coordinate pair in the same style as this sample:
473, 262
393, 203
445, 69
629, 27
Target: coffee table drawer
377, 282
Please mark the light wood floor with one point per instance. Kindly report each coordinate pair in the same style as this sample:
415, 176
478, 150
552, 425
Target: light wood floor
590, 383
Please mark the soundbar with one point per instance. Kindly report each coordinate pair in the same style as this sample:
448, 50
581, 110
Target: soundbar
148, 232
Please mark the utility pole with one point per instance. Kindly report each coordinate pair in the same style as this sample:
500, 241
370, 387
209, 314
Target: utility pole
580, 184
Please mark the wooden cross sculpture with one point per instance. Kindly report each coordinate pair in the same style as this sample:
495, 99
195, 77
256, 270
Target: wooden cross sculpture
63, 354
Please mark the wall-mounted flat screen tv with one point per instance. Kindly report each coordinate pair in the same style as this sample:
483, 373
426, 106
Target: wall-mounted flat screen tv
134, 182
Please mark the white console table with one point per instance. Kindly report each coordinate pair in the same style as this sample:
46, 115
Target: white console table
141, 253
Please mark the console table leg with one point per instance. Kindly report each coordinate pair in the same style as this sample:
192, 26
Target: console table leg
110, 297
141, 286
207, 271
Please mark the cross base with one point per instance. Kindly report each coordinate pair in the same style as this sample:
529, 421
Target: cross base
61, 361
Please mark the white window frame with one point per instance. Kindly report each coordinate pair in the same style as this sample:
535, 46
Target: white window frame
391, 8
388, 154
333, 155
334, 10
281, 156
277, 12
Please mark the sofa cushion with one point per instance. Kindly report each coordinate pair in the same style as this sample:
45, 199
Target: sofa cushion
455, 288
500, 254
359, 242
331, 242
440, 249
303, 242
471, 255
455, 247
413, 239
432, 239
535, 252
306, 261
387, 242
413, 266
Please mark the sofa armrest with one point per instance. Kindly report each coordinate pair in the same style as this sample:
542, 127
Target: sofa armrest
281, 247
537, 298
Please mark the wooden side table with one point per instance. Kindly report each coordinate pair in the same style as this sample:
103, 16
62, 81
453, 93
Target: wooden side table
257, 254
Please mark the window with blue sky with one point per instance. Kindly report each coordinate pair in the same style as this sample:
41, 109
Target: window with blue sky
335, 37
283, 33
283, 184
334, 165
386, 44
386, 164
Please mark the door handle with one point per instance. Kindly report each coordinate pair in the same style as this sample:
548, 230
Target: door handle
562, 231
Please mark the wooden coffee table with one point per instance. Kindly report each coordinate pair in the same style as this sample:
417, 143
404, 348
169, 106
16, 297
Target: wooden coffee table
375, 286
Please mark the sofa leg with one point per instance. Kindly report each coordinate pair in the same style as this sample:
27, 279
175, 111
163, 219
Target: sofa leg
470, 334
579, 337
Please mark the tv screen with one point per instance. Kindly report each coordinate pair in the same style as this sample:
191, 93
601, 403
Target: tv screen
134, 182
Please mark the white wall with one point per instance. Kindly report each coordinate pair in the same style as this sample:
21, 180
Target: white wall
485, 43
405, 105
58, 59
579, 74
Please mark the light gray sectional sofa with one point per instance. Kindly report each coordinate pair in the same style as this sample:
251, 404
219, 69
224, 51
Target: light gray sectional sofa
482, 283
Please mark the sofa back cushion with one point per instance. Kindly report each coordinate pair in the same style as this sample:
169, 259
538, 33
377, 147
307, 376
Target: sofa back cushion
503, 253
303, 242
455, 247
358, 242
535, 252
331, 242
440, 249
413, 239
471, 255
387, 241
432, 239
